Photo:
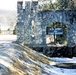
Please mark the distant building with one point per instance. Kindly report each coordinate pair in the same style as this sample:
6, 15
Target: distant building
6, 29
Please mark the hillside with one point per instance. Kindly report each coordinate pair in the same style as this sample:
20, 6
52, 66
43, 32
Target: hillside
18, 60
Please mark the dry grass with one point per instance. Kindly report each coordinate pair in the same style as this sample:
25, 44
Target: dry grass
22, 61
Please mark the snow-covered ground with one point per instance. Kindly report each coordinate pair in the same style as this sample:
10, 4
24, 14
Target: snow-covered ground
57, 70
14, 60
64, 60
61, 71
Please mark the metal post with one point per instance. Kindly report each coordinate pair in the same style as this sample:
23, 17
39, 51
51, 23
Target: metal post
44, 50
54, 37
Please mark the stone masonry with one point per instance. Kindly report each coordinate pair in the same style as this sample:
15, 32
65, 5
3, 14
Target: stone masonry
31, 25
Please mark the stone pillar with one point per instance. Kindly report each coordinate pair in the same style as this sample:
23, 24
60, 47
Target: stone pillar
20, 23
30, 14
71, 28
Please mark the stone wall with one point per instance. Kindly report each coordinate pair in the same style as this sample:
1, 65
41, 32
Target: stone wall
25, 29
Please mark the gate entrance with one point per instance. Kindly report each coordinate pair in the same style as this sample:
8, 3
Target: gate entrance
56, 33
32, 25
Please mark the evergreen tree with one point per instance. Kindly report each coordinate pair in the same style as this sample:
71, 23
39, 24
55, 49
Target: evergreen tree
62, 4
71, 4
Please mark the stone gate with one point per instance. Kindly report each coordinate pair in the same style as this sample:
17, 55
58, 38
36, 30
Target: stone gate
31, 25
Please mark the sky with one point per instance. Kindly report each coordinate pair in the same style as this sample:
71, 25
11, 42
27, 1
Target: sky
8, 4
53, 1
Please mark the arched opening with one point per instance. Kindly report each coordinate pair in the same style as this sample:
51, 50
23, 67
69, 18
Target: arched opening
56, 34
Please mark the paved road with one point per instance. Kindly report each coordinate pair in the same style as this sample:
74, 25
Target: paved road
7, 38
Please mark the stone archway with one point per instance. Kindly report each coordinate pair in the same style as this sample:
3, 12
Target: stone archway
56, 33
41, 19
